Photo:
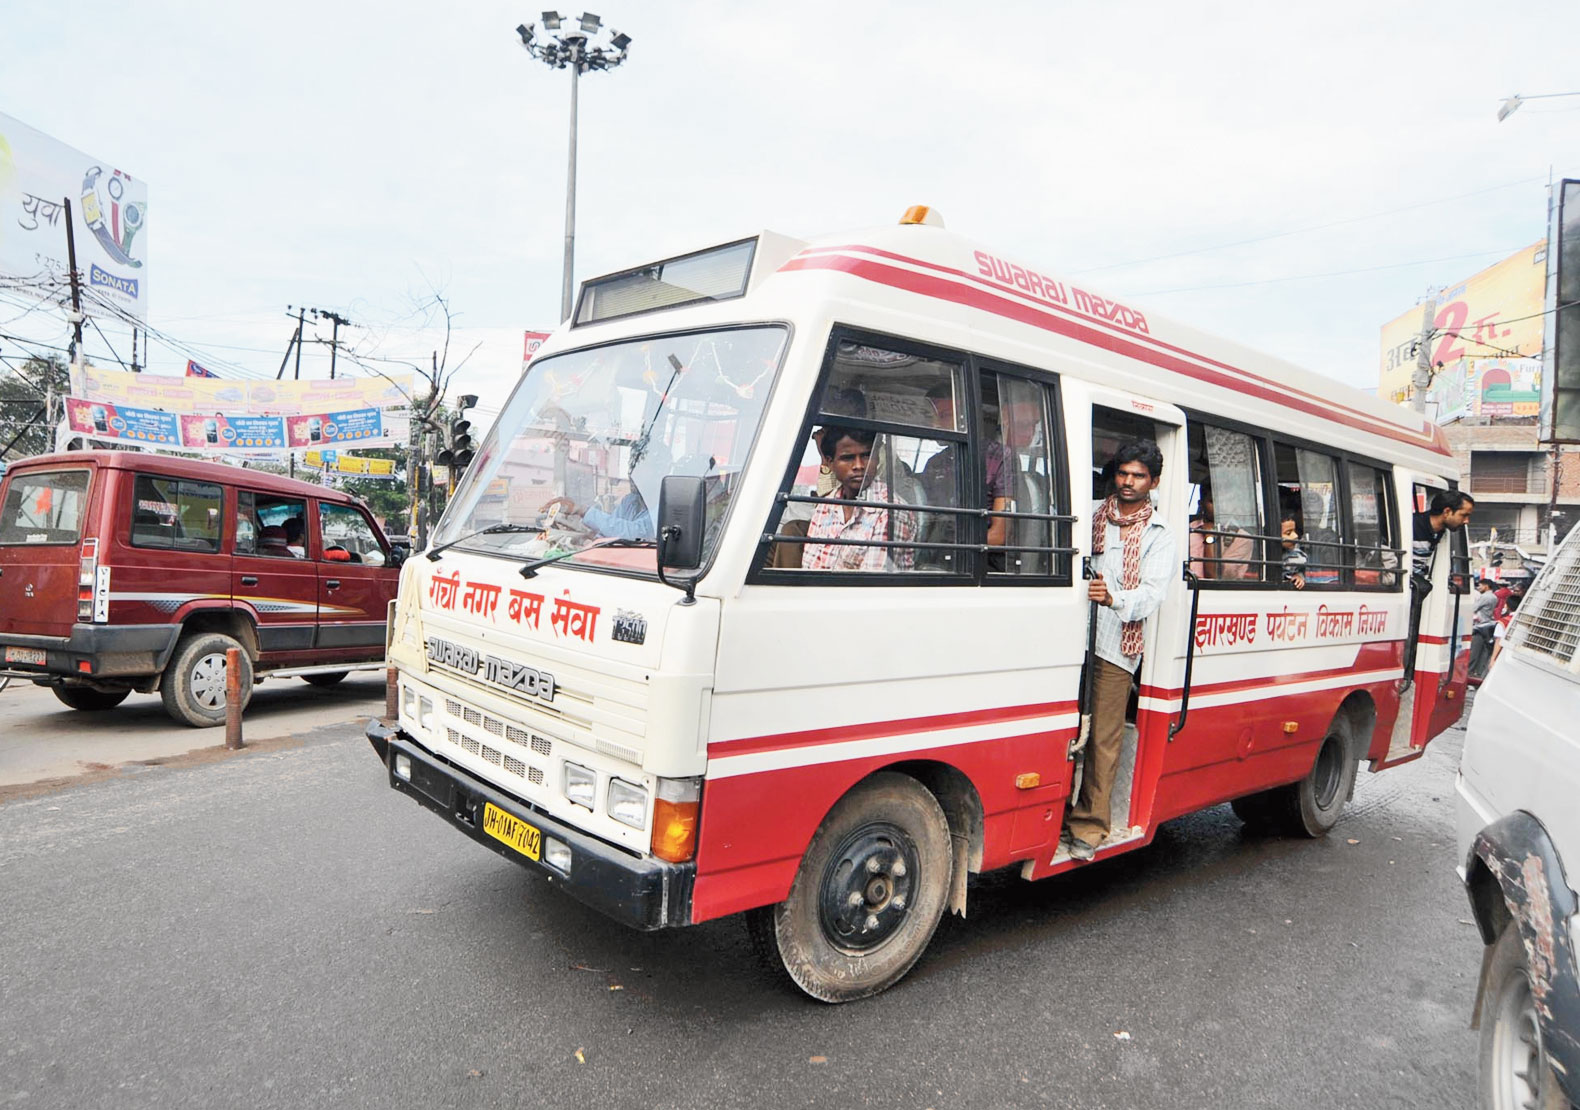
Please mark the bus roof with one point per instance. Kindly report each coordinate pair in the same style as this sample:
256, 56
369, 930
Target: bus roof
996, 292
1001, 306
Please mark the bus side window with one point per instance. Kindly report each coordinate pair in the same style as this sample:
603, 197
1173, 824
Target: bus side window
1229, 541
1372, 526
1018, 477
857, 451
1308, 494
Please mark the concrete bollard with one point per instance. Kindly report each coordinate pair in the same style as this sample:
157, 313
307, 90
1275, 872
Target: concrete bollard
391, 695
233, 698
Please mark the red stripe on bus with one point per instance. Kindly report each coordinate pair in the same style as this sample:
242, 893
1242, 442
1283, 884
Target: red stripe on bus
1203, 688
941, 289
875, 730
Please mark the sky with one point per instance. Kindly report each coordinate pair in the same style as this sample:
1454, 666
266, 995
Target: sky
1288, 176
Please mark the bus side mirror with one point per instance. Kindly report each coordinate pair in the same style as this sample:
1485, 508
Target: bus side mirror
682, 518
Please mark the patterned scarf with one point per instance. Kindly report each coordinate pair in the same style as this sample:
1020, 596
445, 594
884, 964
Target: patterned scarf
1131, 529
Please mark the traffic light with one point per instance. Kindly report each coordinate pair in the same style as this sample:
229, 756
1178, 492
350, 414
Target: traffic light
457, 453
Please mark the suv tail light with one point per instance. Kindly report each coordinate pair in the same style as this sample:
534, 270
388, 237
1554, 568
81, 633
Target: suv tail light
93, 596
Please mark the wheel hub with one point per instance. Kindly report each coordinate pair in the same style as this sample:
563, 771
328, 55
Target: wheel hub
208, 681
866, 891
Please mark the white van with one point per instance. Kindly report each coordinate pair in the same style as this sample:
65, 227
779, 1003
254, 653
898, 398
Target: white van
1519, 840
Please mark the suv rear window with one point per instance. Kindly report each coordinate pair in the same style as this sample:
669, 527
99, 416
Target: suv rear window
45, 507
176, 514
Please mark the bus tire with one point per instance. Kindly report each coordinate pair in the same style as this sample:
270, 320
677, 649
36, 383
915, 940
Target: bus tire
193, 685
1312, 806
1257, 811
1515, 1072
89, 700
869, 892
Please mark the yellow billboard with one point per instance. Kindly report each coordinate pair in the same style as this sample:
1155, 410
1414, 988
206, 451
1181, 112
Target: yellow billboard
1495, 314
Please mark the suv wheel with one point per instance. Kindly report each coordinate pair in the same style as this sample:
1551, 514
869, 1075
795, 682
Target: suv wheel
193, 687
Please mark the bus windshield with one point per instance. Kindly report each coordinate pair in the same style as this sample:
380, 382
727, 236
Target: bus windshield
577, 455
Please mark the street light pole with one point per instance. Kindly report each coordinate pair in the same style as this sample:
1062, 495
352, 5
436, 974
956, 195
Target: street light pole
572, 48
566, 285
1512, 105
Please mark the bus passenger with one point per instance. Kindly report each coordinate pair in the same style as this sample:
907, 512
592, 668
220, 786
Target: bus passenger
847, 452
1224, 553
1133, 549
1449, 512
1294, 558
938, 476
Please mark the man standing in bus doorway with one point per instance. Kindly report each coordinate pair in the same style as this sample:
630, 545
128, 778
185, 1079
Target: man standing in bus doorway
1449, 512
1133, 556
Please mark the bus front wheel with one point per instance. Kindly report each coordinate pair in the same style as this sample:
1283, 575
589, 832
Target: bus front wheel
868, 894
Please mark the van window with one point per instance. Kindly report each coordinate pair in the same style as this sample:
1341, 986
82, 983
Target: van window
271, 525
175, 514
45, 507
348, 537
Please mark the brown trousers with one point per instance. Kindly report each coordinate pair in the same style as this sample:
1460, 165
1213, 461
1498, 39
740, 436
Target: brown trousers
1088, 818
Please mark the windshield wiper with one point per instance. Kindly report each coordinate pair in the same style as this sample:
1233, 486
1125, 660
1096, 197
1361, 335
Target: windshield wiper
531, 568
491, 530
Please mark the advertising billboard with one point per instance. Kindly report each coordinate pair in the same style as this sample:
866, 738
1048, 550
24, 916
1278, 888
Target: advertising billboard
109, 211
1494, 314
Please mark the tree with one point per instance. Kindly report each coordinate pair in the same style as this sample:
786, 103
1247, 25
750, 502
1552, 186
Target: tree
24, 425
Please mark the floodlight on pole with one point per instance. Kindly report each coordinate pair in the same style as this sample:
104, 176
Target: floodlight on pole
577, 49
1512, 105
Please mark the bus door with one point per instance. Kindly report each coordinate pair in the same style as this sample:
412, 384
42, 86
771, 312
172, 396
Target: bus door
1435, 657
1116, 417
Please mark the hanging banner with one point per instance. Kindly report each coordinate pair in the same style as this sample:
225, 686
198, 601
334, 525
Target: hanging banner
272, 398
221, 431
350, 464
38, 175
356, 425
120, 422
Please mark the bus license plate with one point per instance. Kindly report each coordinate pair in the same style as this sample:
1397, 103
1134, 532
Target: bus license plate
512, 831
35, 656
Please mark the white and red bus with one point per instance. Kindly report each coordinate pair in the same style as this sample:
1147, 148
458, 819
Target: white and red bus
832, 737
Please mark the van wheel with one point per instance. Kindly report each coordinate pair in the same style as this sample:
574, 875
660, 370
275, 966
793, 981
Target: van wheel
326, 678
1515, 1072
868, 894
89, 700
193, 686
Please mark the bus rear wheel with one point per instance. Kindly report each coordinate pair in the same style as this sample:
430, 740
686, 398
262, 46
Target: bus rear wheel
868, 895
1312, 806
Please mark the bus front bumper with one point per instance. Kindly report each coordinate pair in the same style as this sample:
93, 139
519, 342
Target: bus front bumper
641, 892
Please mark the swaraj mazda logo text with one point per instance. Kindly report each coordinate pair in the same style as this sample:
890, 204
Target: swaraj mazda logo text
501, 672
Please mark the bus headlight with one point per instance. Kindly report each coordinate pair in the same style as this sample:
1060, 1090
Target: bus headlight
628, 803
581, 784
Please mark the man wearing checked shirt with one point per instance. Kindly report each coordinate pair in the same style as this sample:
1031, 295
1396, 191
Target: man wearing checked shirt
1133, 560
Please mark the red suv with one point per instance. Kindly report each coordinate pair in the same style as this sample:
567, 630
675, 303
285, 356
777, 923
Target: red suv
122, 571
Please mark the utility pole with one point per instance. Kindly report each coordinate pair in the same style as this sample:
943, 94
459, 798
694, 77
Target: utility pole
1421, 380
334, 339
296, 341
